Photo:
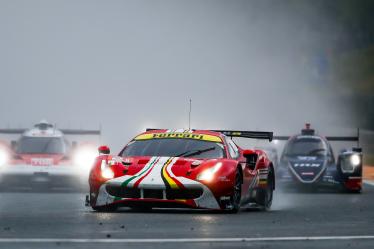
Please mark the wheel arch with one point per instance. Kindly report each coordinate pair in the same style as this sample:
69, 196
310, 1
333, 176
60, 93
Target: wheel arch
271, 168
238, 167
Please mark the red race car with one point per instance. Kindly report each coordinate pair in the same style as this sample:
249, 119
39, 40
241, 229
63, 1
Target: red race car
201, 169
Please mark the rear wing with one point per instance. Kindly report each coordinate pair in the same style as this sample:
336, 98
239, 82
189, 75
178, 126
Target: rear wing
352, 139
65, 131
80, 132
12, 131
248, 134
234, 133
331, 138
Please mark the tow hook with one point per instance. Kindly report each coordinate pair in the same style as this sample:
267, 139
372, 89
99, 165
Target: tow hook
87, 201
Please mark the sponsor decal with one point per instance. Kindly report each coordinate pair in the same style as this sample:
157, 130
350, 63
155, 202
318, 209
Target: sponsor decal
41, 161
313, 165
307, 173
196, 163
262, 177
307, 158
180, 135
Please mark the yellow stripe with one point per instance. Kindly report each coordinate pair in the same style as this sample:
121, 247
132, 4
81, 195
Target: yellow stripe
171, 182
180, 135
181, 200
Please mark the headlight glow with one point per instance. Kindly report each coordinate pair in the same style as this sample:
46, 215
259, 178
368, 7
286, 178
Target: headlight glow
355, 160
208, 174
4, 157
85, 157
107, 173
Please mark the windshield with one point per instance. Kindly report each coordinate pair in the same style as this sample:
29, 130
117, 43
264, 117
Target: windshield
306, 147
41, 145
174, 148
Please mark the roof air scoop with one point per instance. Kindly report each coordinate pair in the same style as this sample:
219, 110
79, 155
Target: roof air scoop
43, 125
307, 130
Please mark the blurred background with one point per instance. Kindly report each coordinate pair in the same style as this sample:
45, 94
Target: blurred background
123, 66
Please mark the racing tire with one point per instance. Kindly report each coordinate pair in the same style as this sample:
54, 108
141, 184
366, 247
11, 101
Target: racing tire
234, 204
264, 196
103, 209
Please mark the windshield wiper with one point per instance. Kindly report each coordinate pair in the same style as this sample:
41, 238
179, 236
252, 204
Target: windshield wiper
195, 152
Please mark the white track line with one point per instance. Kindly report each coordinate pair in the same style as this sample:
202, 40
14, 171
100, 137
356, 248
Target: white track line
182, 240
371, 183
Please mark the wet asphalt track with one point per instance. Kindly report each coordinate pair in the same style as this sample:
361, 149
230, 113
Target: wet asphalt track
63, 218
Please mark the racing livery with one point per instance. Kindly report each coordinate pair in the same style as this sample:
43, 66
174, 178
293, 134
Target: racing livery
43, 156
308, 161
183, 169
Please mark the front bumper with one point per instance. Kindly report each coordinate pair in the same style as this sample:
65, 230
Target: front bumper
193, 195
327, 180
56, 175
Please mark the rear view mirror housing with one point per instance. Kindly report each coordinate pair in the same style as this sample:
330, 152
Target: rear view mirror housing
251, 158
104, 150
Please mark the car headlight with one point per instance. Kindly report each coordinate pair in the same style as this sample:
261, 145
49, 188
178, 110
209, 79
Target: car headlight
107, 173
85, 157
4, 157
355, 160
208, 174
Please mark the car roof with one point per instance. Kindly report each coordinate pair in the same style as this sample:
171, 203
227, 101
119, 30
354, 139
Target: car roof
316, 137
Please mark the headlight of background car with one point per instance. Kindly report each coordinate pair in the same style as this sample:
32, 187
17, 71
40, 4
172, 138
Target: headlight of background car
355, 160
208, 174
4, 157
85, 157
349, 162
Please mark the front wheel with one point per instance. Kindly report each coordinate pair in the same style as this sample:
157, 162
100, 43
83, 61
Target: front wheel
234, 205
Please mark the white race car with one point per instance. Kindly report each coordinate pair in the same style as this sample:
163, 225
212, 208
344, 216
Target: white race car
43, 157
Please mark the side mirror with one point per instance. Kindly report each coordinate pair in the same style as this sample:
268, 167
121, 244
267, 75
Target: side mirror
104, 150
251, 157
13, 145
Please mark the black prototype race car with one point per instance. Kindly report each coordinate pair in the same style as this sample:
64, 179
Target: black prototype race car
308, 161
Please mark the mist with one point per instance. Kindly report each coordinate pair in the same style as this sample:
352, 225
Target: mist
127, 65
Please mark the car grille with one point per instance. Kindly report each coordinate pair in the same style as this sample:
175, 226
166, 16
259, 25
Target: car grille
123, 192
184, 194
162, 194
